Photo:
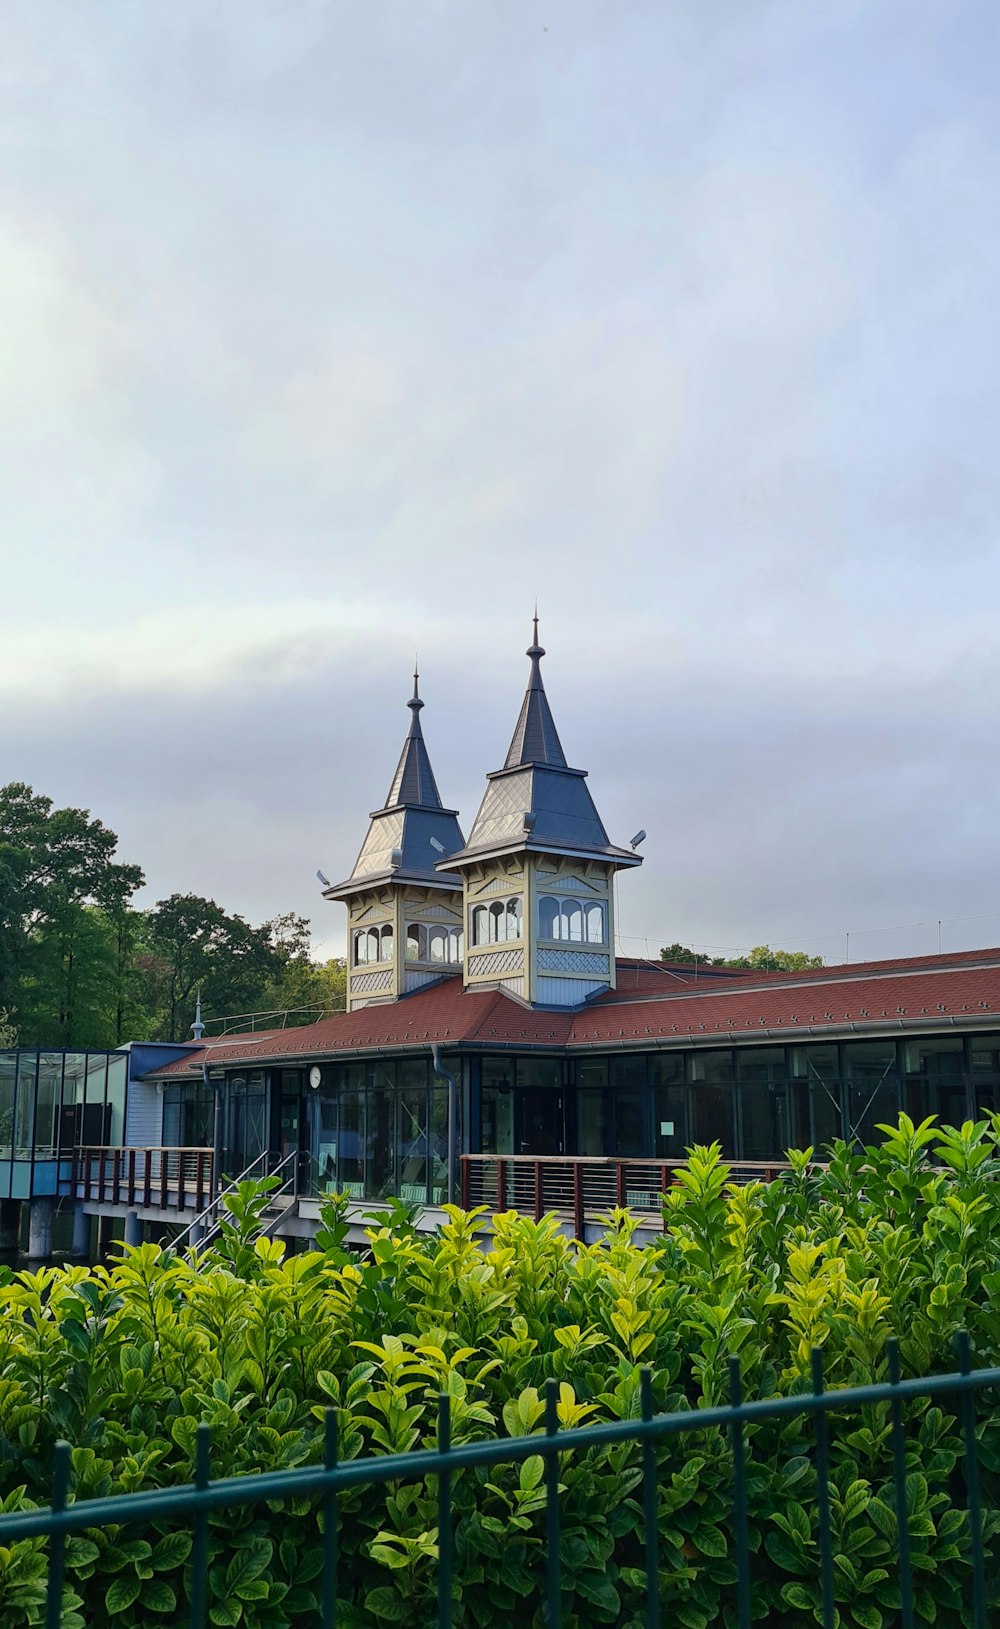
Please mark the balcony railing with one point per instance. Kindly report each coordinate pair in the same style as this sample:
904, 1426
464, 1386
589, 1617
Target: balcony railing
582, 1187
164, 1178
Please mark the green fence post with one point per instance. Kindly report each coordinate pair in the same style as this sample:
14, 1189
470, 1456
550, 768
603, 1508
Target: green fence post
330, 1520
740, 1497
553, 1582
57, 1543
972, 1485
650, 1505
199, 1553
444, 1513
823, 1494
902, 1504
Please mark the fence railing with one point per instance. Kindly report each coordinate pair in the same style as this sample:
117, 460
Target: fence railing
194, 1501
168, 1178
582, 1186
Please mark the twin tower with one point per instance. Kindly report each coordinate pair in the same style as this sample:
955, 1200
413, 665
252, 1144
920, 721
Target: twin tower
527, 904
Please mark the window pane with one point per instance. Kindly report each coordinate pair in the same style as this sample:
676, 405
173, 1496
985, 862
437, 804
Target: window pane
712, 1117
360, 949
761, 1063
539, 1072
413, 943
48, 1100
572, 915
438, 1137
938, 1058
548, 917
385, 949
714, 1068
593, 1120
596, 931
514, 918
351, 1145
96, 1119
380, 1162
670, 1119
24, 1117
8, 1072
117, 1076
479, 925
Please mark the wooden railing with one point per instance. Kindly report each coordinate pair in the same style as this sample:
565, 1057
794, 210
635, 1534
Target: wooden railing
168, 1178
584, 1186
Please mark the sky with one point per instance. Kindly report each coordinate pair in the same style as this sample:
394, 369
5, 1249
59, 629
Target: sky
334, 332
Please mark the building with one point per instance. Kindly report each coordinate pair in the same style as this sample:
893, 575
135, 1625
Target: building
496, 1049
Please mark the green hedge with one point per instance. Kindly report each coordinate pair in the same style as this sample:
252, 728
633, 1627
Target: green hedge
902, 1239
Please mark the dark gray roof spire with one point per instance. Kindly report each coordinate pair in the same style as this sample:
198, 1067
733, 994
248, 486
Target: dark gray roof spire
413, 784
536, 739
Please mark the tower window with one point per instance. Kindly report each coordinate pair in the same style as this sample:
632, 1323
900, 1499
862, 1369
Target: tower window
437, 943
373, 945
573, 920
494, 924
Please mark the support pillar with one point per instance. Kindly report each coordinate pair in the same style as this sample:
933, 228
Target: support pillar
105, 1236
133, 1228
10, 1225
81, 1231
40, 1213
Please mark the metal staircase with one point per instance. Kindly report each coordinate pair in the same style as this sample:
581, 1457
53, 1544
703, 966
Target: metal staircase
282, 1203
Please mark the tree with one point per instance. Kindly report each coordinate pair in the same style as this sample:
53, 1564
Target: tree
57, 869
195, 946
302, 988
761, 956
680, 953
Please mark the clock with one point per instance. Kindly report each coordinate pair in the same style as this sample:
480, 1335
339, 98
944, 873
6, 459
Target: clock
315, 1075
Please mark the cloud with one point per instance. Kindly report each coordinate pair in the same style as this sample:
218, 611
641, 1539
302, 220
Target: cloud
335, 333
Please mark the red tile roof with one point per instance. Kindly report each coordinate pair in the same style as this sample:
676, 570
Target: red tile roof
962, 987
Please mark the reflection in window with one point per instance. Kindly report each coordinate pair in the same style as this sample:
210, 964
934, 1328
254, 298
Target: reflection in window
373, 945
494, 924
577, 921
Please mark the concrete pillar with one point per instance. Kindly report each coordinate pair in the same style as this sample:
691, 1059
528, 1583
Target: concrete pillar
105, 1236
81, 1231
40, 1229
133, 1228
10, 1225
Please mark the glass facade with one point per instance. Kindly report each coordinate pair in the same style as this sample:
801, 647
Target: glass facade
380, 1128
51, 1103
755, 1101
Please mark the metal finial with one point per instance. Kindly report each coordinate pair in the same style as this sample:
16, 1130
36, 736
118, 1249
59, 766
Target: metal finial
415, 701
535, 650
198, 1028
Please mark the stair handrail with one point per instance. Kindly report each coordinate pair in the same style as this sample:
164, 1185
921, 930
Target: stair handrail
216, 1225
230, 1187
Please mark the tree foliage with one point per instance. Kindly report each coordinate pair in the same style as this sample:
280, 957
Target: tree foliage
761, 956
80, 966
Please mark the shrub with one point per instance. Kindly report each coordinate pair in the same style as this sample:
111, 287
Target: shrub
901, 1239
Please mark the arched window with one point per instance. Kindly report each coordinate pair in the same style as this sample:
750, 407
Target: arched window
385, 946
596, 931
579, 921
480, 925
514, 918
572, 916
413, 946
498, 922
548, 917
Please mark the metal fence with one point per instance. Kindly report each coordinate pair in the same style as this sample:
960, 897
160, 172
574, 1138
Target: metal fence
190, 1504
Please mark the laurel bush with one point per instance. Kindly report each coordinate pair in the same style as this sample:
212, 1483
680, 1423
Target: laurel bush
899, 1240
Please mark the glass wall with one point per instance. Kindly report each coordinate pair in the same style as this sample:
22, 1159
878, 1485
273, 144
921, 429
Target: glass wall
50, 1104
381, 1129
757, 1102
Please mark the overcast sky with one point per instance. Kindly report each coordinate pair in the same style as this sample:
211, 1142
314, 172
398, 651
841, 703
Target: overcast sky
330, 331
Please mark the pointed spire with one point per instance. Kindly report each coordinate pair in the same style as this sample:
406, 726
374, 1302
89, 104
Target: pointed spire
198, 1028
413, 782
535, 739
